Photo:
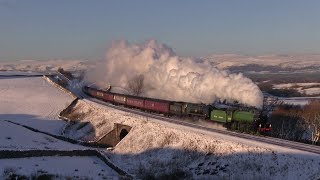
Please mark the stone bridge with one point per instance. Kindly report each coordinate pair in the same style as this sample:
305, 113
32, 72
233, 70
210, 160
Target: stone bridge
115, 136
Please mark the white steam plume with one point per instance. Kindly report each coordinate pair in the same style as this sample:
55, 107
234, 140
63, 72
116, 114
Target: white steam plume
167, 76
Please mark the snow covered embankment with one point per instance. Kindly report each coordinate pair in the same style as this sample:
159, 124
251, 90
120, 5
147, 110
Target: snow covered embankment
155, 150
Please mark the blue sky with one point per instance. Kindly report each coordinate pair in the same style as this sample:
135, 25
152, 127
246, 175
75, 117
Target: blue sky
79, 29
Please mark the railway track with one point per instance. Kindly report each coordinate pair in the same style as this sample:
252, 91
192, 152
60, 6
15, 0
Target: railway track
263, 139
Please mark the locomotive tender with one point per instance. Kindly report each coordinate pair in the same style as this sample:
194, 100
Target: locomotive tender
230, 117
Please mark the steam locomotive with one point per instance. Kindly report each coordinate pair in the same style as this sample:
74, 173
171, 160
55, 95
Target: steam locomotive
232, 118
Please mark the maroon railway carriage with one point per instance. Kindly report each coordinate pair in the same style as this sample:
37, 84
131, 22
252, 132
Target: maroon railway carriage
135, 102
101, 94
120, 99
91, 91
157, 105
96, 93
108, 97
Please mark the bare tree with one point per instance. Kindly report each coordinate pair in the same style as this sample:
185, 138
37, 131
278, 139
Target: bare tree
135, 84
287, 122
311, 114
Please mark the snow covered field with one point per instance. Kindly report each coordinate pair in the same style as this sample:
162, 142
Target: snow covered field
19, 73
43, 66
221, 61
301, 101
306, 88
297, 61
154, 149
58, 167
288, 85
13, 137
32, 101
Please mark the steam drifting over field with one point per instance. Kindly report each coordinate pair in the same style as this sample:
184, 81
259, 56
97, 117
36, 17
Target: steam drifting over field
168, 76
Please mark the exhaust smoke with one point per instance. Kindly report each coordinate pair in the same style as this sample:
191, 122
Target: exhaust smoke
168, 76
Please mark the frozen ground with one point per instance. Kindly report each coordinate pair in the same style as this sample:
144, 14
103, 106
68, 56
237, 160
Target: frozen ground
297, 61
288, 85
307, 88
298, 100
32, 101
311, 91
303, 62
13, 137
19, 73
43, 66
59, 167
154, 149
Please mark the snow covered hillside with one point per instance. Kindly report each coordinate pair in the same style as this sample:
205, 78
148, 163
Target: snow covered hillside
305, 88
221, 61
154, 149
43, 66
32, 101
297, 61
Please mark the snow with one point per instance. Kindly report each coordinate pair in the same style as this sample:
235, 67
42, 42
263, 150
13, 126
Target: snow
311, 91
300, 102
73, 167
152, 147
19, 73
221, 61
297, 61
158, 149
44, 65
13, 137
34, 102
307, 88
288, 85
